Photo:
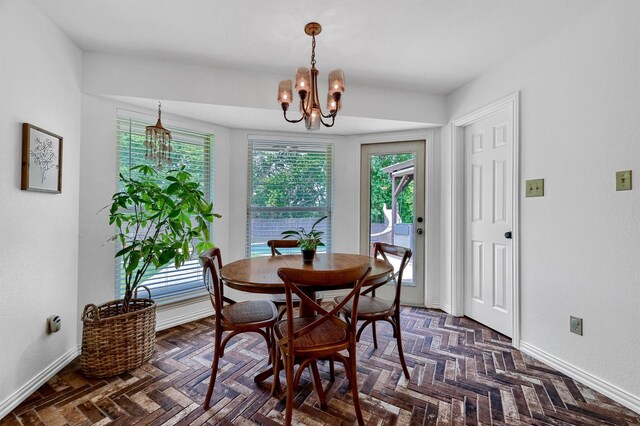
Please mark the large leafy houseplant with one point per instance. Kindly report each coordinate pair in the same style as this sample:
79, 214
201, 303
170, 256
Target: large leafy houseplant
308, 241
158, 221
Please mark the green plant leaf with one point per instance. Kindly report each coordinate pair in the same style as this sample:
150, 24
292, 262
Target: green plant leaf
159, 219
125, 250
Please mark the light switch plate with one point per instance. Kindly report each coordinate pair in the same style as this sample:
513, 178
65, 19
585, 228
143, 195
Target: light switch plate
535, 188
575, 325
623, 180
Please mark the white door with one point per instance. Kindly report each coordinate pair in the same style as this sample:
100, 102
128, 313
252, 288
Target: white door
392, 186
488, 247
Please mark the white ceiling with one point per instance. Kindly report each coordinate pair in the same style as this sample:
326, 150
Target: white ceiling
433, 46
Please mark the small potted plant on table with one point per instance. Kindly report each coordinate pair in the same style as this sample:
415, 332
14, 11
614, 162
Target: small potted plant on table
307, 241
157, 221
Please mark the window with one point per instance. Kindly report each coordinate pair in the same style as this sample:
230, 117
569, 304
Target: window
190, 148
290, 186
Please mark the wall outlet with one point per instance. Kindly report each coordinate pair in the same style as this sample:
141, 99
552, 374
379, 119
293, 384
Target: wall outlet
575, 325
535, 188
623, 180
55, 323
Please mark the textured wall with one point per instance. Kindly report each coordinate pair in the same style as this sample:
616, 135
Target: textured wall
580, 102
40, 73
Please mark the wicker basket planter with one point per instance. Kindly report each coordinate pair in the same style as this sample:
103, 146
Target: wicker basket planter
114, 342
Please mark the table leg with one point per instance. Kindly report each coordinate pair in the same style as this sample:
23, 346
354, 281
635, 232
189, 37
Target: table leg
306, 311
264, 375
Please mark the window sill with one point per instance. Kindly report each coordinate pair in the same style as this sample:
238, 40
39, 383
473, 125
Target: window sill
182, 299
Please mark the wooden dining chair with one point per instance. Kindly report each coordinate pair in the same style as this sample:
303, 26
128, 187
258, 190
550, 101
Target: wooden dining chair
279, 299
274, 245
372, 308
304, 340
234, 317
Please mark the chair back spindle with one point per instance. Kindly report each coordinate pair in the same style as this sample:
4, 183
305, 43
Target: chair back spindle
381, 250
211, 261
274, 245
296, 280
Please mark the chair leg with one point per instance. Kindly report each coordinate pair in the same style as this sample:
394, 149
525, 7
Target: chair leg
288, 362
317, 384
332, 371
375, 338
275, 388
214, 366
361, 329
353, 384
396, 331
281, 313
270, 342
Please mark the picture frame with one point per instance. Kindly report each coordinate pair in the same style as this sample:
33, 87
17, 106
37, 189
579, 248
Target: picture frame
41, 160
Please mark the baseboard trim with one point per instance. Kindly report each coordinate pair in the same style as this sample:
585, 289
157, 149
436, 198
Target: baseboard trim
40, 379
619, 395
183, 319
442, 306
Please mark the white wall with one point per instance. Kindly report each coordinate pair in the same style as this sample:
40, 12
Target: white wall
580, 103
135, 77
98, 176
40, 77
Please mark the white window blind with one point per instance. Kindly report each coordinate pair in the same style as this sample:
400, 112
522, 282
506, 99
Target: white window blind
290, 186
190, 148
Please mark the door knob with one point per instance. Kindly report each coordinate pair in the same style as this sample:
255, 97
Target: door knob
419, 231
507, 235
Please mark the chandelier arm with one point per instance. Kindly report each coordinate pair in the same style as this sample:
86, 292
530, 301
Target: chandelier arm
330, 115
333, 121
292, 121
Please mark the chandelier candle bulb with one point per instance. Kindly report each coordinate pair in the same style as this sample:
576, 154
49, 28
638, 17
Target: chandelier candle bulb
302, 80
285, 93
332, 105
313, 122
307, 89
336, 82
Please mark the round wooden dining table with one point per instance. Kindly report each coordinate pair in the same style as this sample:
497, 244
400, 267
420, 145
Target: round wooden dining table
260, 274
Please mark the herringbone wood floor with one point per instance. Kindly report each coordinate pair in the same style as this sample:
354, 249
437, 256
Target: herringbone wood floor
461, 373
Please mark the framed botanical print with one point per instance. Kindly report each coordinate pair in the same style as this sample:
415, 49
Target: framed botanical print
41, 160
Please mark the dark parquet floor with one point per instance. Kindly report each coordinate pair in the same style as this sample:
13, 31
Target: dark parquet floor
461, 373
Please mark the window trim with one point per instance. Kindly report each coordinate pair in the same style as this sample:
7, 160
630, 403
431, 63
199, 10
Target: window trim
208, 142
322, 145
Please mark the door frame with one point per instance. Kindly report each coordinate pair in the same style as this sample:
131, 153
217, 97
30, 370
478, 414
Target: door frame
432, 203
458, 206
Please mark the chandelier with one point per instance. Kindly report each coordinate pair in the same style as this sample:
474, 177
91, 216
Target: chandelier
158, 142
307, 88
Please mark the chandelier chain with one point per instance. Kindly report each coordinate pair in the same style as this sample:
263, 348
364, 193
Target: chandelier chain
313, 51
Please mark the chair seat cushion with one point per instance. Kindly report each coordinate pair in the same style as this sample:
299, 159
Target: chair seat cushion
281, 299
253, 311
368, 306
330, 333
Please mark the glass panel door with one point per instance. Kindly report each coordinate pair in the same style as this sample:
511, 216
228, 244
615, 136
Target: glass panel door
392, 208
